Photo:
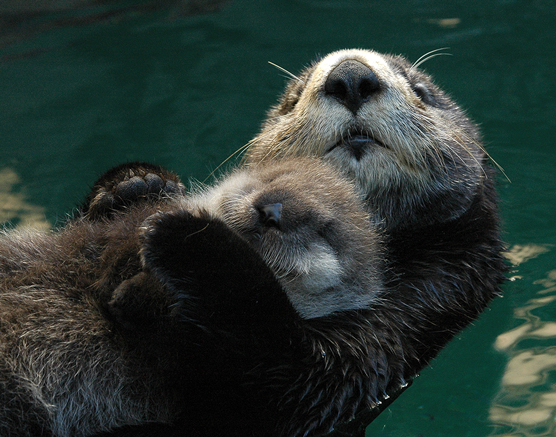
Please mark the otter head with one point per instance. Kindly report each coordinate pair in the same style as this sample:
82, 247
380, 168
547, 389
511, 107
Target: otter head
412, 152
309, 226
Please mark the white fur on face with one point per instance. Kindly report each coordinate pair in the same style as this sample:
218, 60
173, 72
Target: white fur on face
316, 270
411, 143
317, 289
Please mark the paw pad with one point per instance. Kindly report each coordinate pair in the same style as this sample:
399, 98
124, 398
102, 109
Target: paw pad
130, 184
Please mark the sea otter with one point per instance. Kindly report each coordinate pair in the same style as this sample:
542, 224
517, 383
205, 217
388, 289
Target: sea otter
420, 166
242, 309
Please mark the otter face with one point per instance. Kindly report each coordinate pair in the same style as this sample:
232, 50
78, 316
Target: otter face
385, 125
311, 229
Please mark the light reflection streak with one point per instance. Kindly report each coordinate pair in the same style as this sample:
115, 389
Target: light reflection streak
15, 207
525, 405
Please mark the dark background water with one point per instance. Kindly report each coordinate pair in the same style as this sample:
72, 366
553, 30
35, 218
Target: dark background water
86, 85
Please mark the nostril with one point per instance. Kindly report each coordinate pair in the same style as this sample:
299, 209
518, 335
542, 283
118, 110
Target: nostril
352, 83
337, 88
271, 214
368, 86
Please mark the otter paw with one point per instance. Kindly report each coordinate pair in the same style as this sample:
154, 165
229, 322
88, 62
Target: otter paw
128, 184
213, 272
139, 302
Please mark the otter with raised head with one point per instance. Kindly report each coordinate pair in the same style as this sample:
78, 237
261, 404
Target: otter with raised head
231, 311
419, 164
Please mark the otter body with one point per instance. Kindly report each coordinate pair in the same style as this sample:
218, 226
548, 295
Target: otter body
223, 336
189, 312
63, 371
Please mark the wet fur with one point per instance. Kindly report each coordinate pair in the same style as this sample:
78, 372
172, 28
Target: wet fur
57, 347
270, 371
161, 312
424, 176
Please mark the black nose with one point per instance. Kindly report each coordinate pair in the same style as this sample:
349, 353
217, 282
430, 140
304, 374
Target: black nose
271, 214
352, 83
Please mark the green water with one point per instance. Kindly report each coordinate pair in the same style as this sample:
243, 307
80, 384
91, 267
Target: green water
86, 88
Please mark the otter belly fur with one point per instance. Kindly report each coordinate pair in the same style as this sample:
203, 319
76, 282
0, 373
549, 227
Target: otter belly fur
242, 309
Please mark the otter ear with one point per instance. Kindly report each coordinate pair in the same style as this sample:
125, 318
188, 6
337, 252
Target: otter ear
212, 270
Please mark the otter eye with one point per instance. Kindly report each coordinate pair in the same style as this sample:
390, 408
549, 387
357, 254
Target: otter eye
423, 93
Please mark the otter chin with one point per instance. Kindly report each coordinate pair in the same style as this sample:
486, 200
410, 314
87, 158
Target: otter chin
412, 151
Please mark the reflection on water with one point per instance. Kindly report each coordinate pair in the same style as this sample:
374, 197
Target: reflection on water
518, 254
526, 402
22, 19
14, 207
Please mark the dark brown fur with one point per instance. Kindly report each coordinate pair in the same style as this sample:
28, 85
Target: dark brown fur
418, 163
162, 313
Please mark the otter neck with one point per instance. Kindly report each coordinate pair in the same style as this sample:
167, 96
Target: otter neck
398, 210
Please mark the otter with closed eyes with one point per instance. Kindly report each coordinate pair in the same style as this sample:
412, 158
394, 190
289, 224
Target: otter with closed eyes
239, 309
419, 165
417, 162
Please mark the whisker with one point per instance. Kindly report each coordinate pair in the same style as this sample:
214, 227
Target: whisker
463, 144
429, 55
291, 75
498, 166
238, 151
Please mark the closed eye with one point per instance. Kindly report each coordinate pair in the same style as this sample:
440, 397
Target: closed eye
423, 93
